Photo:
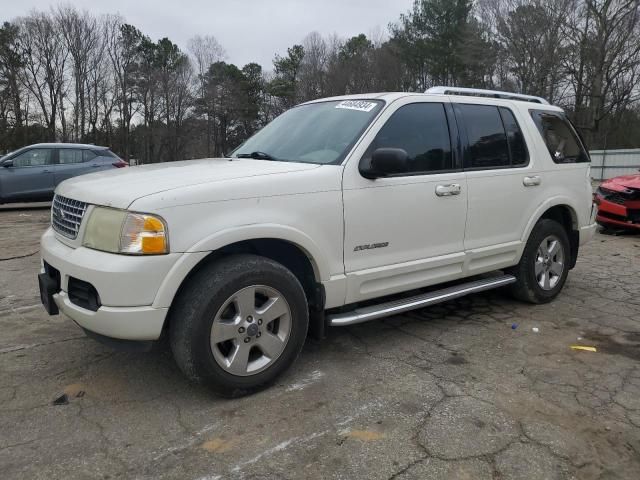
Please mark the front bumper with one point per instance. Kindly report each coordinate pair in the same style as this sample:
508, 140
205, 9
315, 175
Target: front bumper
621, 213
126, 286
125, 323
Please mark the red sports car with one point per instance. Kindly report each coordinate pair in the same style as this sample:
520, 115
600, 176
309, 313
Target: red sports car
618, 201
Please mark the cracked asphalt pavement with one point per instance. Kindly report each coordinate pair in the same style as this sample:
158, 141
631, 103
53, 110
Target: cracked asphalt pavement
448, 392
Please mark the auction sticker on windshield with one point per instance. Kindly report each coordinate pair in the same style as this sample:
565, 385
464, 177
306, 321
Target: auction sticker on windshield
359, 105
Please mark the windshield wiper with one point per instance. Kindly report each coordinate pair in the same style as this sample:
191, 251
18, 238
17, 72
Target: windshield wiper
256, 155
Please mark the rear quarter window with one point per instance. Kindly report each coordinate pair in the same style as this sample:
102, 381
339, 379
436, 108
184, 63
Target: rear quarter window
106, 153
88, 155
561, 139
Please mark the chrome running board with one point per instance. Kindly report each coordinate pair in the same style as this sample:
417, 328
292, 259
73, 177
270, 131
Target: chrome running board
395, 307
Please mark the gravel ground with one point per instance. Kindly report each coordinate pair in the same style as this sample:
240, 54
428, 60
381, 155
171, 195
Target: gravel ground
447, 392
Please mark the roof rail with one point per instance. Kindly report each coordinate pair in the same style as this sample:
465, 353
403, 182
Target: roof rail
478, 92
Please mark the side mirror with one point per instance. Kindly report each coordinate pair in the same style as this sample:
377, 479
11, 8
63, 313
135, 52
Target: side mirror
7, 163
384, 162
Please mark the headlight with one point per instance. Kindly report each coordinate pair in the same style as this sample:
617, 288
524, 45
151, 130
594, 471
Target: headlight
119, 231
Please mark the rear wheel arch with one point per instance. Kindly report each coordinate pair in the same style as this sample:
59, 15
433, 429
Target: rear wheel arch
544, 257
565, 215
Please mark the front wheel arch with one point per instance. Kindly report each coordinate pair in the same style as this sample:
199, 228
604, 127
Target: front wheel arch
291, 256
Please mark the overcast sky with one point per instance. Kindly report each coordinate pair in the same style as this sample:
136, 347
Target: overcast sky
249, 30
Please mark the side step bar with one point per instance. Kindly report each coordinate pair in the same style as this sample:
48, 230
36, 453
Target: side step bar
395, 307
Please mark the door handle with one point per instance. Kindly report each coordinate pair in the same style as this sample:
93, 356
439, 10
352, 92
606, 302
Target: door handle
448, 190
46, 171
95, 164
531, 181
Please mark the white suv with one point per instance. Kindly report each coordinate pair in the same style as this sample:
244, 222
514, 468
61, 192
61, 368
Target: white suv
341, 210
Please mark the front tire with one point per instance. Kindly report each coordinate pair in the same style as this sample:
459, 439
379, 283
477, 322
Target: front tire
544, 265
238, 324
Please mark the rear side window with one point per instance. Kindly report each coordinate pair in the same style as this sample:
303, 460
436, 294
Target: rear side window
421, 129
560, 137
486, 135
88, 155
67, 155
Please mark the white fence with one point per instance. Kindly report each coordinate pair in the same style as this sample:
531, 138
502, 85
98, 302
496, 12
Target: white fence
613, 163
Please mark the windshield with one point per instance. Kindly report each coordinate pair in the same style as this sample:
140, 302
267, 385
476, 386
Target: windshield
321, 133
7, 155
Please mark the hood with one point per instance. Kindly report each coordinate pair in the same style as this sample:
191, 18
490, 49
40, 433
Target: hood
120, 187
621, 184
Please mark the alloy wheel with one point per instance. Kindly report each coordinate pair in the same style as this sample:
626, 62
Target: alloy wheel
251, 330
549, 262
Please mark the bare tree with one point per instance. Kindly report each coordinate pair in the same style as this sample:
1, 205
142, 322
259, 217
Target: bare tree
45, 59
313, 67
606, 36
99, 86
123, 50
82, 38
11, 94
528, 34
205, 51
66, 74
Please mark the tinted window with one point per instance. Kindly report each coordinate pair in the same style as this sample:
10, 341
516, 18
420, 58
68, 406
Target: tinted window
88, 155
67, 155
562, 141
421, 130
517, 144
33, 158
106, 153
486, 135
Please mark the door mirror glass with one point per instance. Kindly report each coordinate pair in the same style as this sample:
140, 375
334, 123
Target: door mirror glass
384, 162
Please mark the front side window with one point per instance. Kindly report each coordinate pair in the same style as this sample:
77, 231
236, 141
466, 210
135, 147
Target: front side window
421, 129
486, 135
320, 133
68, 155
33, 158
561, 139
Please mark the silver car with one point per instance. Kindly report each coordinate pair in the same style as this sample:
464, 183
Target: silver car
32, 173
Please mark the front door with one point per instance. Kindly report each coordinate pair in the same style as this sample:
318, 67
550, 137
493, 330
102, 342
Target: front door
30, 177
406, 231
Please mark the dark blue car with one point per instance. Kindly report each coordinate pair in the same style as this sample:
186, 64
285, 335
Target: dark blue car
32, 173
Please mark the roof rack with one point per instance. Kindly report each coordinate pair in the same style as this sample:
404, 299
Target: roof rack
478, 92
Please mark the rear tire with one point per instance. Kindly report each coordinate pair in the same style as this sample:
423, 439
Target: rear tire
544, 265
238, 324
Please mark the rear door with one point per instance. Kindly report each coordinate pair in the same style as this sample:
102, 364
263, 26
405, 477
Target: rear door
30, 177
73, 162
504, 187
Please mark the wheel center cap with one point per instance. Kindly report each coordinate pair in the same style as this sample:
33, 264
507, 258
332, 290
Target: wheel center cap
252, 330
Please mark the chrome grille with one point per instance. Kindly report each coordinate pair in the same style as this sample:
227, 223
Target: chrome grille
66, 216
